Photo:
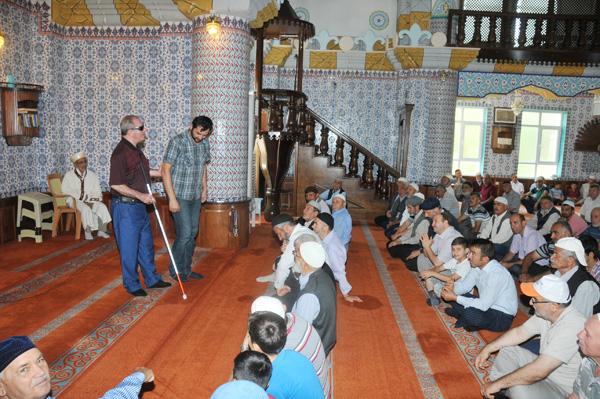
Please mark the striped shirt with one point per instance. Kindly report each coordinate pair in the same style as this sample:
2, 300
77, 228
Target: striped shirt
478, 214
304, 339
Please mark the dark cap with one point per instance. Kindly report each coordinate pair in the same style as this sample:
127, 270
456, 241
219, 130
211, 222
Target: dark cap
12, 348
281, 218
327, 219
430, 203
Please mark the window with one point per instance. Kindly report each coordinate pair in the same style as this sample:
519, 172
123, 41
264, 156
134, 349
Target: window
541, 142
469, 139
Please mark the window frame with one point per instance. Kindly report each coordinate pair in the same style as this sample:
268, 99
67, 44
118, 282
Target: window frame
456, 162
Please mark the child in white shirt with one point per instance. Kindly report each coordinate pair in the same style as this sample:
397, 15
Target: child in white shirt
454, 269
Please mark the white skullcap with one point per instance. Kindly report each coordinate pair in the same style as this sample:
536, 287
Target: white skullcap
268, 304
568, 202
415, 186
339, 195
420, 195
313, 254
574, 245
501, 200
76, 157
402, 180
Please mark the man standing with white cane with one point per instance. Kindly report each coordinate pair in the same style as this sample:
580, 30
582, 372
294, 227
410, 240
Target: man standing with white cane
128, 168
184, 175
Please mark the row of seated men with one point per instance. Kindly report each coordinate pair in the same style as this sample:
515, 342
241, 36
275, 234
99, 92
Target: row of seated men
472, 261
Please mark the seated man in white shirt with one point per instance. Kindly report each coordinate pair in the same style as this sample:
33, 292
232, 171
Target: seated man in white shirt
438, 251
448, 200
336, 253
592, 201
336, 188
496, 306
545, 217
525, 240
498, 229
517, 186
550, 374
455, 269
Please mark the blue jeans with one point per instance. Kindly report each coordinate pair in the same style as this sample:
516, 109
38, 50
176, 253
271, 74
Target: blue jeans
136, 246
186, 229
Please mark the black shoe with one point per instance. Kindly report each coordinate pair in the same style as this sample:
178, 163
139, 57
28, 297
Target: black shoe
160, 284
183, 279
139, 292
451, 312
195, 275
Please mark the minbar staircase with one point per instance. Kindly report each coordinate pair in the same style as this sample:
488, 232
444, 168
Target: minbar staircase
367, 193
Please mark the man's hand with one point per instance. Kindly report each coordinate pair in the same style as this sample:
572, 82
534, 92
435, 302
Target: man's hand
352, 298
284, 246
489, 389
426, 274
148, 373
283, 290
414, 254
425, 240
482, 358
204, 196
174, 205
525, 278
146, 198
448, 294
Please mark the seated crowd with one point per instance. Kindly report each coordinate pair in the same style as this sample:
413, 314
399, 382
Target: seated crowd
476, 253
482, 253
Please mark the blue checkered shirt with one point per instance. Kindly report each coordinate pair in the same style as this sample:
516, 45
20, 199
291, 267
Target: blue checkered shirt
188, 160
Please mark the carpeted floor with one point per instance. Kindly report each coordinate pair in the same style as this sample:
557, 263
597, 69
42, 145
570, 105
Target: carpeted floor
68, 297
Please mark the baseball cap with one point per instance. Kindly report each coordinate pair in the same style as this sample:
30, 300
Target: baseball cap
549, 287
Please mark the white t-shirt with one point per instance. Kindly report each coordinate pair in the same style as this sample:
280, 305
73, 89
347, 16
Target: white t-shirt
462, 269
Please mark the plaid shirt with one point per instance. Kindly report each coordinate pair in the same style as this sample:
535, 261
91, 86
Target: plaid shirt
188, 160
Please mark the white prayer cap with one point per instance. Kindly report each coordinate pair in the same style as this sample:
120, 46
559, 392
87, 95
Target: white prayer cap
420, 195
339, 195
415, 186
76, 157
314, 204
501, 200
574, 245
313, 254
592, 177
568, 202
268, 304
402, 180
549, 287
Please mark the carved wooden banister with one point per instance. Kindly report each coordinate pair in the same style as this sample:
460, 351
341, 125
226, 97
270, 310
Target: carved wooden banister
554, 37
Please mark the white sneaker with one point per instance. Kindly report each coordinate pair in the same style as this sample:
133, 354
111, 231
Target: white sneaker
88, 235
269, 278
103, 234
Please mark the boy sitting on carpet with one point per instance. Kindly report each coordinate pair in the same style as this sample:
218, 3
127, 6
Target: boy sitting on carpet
454, 269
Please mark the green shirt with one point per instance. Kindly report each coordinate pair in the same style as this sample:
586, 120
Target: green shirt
188, 160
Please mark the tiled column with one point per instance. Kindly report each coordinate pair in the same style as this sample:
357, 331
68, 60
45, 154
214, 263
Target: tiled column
220, 87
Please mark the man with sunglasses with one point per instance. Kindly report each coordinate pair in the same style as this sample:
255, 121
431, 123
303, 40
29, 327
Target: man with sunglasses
184, 174
551, 373
129, 172
83, 187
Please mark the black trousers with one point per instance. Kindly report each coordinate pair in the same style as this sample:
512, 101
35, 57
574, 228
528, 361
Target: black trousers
402, 252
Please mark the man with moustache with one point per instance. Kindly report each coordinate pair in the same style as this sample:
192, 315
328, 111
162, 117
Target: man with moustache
185, 175
129, 171
24, 374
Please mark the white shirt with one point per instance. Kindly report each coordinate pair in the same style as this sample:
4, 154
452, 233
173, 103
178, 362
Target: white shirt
442, 244
588, 205
286, 261
518, 187
493, 234
527, 242
323, 207
496, 289
337, 260
462, 269
450, 203
586, 296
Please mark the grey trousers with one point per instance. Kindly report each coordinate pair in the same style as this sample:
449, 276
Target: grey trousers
423, 263
512, 358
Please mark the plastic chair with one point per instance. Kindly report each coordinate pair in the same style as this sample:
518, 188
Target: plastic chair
61, 208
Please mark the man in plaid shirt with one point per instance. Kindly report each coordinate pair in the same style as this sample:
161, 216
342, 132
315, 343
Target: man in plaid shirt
184, 175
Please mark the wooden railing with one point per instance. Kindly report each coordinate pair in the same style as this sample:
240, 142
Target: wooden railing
526, 37
386, 175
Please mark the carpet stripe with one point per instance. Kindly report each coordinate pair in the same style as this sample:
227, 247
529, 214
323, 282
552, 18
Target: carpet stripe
19, 291
419, 361
68, 367
43, 259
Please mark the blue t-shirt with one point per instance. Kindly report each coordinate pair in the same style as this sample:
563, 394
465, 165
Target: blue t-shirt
294, 377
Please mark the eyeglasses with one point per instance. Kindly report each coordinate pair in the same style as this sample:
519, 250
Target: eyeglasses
140, 128
534, 301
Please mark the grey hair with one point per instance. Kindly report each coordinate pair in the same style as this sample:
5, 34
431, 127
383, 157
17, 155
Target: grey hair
304, 238
570, 254
127, 123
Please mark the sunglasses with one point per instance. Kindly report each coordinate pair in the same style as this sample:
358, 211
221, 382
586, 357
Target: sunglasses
140, 128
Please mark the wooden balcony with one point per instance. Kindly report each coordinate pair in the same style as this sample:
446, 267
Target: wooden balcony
570, 39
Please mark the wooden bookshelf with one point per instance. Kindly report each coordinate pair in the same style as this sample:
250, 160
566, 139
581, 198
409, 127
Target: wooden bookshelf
20, 118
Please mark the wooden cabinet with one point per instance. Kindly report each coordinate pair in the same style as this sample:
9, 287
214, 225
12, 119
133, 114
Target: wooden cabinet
20, 119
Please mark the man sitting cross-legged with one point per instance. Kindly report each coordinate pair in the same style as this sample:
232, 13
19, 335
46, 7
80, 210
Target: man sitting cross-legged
496, 305
525, 240
551, 373
452, 270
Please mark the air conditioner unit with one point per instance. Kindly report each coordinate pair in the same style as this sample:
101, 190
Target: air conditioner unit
504, 116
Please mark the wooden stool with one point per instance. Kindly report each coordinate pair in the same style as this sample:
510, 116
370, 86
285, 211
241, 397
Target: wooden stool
37, 201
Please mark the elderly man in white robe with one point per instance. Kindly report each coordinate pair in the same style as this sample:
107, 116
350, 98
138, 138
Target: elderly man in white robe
84, 187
